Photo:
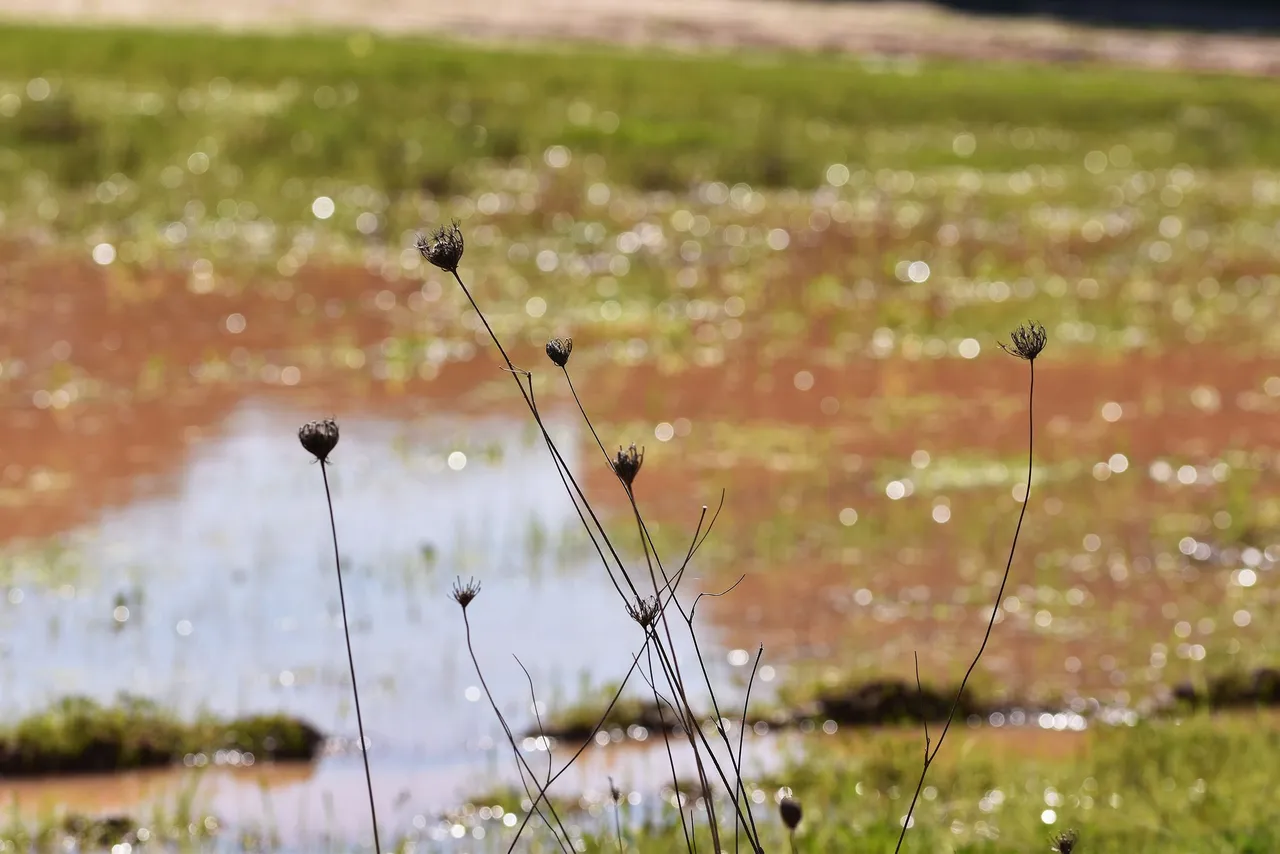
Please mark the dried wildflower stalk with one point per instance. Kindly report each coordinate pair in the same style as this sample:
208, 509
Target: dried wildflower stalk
319, 438
444, 249
1026, 343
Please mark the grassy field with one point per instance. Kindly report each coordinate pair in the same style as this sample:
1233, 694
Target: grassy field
790, 268
1198, 785
244, 117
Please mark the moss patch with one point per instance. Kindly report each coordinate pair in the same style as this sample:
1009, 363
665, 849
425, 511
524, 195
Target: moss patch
79, 735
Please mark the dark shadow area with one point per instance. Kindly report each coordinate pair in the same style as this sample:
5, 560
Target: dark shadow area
1241, 16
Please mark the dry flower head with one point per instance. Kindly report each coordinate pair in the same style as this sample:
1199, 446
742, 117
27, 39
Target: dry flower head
627, 464
789, 810
463, 594
644, 610
558, 350
319, 438
1026, 341
443, 247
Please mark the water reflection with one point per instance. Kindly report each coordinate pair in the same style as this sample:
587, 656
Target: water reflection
219, 595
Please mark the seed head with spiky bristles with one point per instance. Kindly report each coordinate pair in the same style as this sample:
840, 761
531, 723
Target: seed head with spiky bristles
443, 247
1065, 842
558, 350
627, 463
319, 437
789, 810
463, 594
1026, 341
614, 793
644, 610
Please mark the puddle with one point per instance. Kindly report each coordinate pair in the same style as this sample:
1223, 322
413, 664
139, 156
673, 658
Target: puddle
220, 596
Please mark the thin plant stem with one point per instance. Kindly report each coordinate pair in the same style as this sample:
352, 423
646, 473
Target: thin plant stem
740, 792
537, 716
351, 659
647, 541
666, 740
674, 677
617, 819
670, 666
521, 765
995, 610
586, 742
583, 410
516, 373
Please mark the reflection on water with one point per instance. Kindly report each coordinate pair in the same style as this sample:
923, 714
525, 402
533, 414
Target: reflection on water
220, 596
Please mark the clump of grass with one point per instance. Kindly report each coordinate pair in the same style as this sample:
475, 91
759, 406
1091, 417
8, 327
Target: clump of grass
79, 735
583, 718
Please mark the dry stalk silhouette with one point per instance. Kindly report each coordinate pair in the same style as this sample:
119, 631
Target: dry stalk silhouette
1026, 343
319, 438
666, 676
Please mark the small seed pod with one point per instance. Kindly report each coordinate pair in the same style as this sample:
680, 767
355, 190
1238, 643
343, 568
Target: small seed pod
1026, 342
1065, 842
558, 350
443, 247
627, 463
789, 809
644, 610
319, 437
463, 594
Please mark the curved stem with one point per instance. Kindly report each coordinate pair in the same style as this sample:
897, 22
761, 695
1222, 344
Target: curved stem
995, 610
351, 660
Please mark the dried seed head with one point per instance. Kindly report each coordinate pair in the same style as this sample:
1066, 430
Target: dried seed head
443, 247
644, 611
789, 809
1026, 341
627, 464
1065, 842
558, 350
464, 593
319, 437
614, 793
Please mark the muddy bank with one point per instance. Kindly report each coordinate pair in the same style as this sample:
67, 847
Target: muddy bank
78, 735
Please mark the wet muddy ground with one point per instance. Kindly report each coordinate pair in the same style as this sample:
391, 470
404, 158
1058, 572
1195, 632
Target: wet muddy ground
870, 448
827, 358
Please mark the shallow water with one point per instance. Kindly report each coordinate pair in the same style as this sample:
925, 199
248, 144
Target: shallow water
219, 593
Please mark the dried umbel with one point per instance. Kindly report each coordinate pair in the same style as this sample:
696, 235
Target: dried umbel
1026, 342
319, 437
443, 247
644, 611
627, 464
463, 594
1065, 842
558, 350
789, 810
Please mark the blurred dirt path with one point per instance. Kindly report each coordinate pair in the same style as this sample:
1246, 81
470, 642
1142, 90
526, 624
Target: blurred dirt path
894, 28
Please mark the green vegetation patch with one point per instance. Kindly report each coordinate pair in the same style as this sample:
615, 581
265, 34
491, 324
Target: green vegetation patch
212, 117
78, 735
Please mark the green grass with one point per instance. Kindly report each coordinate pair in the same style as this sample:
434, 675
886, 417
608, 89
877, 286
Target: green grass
1200, 785
78, 735
400, 116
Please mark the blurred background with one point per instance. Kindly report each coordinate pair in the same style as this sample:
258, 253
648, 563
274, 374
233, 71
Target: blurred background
787, 238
